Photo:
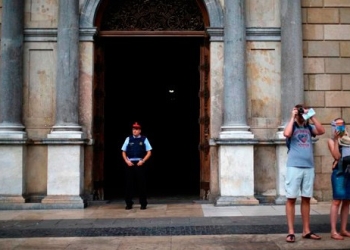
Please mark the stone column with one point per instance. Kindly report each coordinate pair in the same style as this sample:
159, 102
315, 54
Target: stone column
11, 74
235, 89
65, 152
292, 80
291, 57
12, 135
236, 150
67, 90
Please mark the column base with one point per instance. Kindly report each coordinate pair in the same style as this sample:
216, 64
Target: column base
12, 155
59, 199
236, 200
12, 199
280, 200
232, 134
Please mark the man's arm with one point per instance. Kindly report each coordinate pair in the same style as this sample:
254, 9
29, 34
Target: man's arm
126, 159
288, 130
318, 128
148, 155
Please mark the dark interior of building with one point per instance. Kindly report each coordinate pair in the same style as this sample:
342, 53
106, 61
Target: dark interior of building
154, 81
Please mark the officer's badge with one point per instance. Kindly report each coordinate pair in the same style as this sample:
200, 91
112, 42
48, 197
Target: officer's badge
140, 143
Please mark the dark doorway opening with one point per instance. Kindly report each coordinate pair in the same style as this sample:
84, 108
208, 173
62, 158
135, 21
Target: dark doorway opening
156, 82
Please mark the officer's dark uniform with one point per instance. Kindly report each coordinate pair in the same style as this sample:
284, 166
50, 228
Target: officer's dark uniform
136, 149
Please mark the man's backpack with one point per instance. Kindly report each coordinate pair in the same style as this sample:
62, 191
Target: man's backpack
289, 139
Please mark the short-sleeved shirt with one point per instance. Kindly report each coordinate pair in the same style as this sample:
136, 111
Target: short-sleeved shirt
126, 142
301, 148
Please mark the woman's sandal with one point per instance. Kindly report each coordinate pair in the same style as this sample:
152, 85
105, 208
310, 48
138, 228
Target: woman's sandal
312, 236
345, 234
337, 236
290, 238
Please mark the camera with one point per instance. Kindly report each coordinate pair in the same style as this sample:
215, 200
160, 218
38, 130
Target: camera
340, 129
300, 111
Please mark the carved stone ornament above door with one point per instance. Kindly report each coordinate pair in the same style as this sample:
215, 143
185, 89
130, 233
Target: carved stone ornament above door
152, 15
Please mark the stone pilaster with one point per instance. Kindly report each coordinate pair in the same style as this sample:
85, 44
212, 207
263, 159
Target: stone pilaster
65, 174
67, 77
292, 88
235, 89
12, 135
235, 151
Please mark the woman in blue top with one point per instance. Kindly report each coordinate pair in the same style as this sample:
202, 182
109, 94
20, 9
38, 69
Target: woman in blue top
340, 185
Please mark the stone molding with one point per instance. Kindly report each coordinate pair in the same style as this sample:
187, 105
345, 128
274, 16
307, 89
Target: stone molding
263, 34
216, 34
50, 35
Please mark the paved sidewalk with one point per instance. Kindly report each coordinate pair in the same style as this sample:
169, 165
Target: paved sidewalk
162, 226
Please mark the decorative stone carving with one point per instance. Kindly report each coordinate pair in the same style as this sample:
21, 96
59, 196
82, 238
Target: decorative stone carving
155, 15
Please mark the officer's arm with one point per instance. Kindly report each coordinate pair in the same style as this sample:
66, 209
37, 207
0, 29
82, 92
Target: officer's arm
148, 155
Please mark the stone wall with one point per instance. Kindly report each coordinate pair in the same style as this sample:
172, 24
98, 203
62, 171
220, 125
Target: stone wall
326, 34
326, 45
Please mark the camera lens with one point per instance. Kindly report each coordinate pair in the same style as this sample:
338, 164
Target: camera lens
300, 111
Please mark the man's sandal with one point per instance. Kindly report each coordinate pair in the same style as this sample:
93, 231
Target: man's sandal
312, 236
290, 238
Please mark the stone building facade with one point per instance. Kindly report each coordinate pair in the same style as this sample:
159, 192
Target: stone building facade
69, 68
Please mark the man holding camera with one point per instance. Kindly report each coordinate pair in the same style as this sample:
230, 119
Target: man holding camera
300, 173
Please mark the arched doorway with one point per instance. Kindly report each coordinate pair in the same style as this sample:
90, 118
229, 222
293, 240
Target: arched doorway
157, 76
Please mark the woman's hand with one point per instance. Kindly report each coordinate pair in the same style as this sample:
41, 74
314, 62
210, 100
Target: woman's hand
337, 135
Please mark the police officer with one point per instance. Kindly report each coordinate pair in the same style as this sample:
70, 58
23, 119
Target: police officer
136, 150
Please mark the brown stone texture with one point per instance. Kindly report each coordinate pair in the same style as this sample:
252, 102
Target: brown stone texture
265, 172
336, 3
337, 32
346, 114
325, 82
325, 115
346, 82
345, 49
321, 150
36, 170
322, 181
314, 65
337, 99
345, 15
312, 3
320, 15
315, 97
322, 49
337, 65
326, 164
318, 166
313, 32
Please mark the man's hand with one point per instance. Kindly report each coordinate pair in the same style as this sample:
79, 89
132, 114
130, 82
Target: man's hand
294, 112
129, 163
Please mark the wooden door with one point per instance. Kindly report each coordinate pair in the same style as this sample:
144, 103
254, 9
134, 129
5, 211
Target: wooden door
98, 123
204, 120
